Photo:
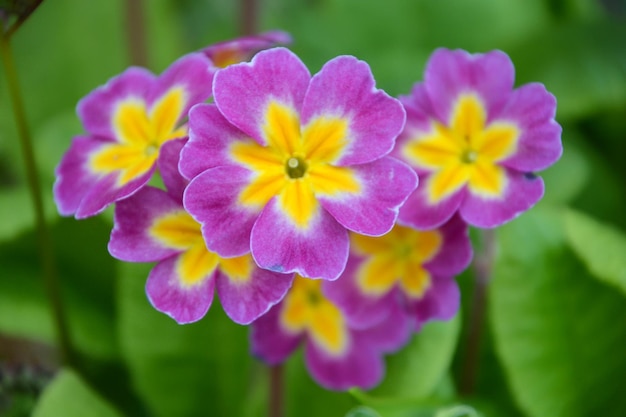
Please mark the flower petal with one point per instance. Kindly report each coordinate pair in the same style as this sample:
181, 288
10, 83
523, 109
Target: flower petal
521, 193
418, 212
240, 49
243, 91
450, 73
441, 302
532, 108
361, 366
185, 304
456, 252
193, 73
96, 110
345, 88
269, 340
73, 181
168, 167
419, 111
360, 310
79, 190
131, 239
212, 198
384, 185
211, 137
318, 251
394, 331
247, 296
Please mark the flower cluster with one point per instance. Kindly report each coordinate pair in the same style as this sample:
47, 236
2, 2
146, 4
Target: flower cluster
296, 197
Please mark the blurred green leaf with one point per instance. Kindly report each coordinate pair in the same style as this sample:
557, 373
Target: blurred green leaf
457, 411
581, 63
416, 370
567, 178
304, 397
52, 140
397, 37
554, 325
601, 247
363, 412
86, 273
68, 396
180, 369
603, 193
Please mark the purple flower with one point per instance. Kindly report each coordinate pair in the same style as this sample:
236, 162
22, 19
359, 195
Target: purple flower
475, 141
153, 226
242, 49
405, 269
285, 163
338, 354
127, 121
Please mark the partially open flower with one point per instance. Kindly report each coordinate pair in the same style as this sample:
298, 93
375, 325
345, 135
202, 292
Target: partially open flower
244, 48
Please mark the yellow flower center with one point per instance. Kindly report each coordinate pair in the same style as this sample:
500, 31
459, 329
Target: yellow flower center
180, 231
465, 152
139, 135
296, 165
305, 309
396, 258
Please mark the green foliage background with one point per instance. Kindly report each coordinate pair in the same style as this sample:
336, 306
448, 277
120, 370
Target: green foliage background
554, 340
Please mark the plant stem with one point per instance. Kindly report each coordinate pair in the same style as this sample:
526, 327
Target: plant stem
483, 267
249, 17
136, 32
46, 253
276, 395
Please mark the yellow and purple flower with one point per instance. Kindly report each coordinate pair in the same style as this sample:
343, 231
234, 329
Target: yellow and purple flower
475, 141
284, 163
338, 354
152, 226
233, 51
127, 121
406, 269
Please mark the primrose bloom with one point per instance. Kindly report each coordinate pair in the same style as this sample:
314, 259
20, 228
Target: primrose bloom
153, 226
405, 269
127, 121
226, 53
338, 354
475, 141
284, 162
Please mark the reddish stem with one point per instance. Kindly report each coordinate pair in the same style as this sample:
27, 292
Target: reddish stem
483, 268
249, 17
136, 32
276, 391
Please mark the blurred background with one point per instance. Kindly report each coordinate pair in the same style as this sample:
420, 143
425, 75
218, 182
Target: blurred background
551, 339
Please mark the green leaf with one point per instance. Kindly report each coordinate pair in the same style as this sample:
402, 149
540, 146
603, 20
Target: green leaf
558, 331
86, 273
457, 411
579, 62
305, 397
601, 247
566, 179
363, 412
416, 370
181, 369
68, 396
